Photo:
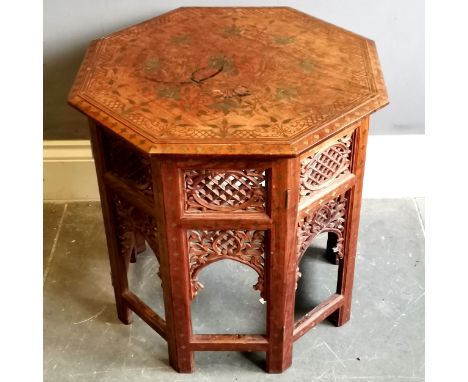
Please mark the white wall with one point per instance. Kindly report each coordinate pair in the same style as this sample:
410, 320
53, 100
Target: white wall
397, 26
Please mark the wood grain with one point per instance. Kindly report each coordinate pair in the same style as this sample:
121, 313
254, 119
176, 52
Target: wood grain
117, 263
347, 264
145, 313
319, 313
232, 342
229, 81
230, 133
281, 264
174, 263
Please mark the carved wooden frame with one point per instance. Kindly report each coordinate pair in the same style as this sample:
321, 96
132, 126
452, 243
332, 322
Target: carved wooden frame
208, 246
276, 219
224, 190
197, 151
319, 169
135, 228
329, 217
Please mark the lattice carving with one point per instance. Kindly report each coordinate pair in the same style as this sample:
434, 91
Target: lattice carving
328, 218
322, 168
225, 190
128, 164
132, 222
244, 246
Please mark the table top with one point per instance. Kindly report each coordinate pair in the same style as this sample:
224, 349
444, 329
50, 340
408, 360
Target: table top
229, 81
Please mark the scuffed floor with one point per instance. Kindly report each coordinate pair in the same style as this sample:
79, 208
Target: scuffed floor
384, 341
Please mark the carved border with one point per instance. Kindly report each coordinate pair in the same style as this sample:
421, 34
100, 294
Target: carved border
206, 247
130, 223
284, 146
328, 218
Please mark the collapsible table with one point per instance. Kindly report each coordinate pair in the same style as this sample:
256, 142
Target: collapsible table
230, 133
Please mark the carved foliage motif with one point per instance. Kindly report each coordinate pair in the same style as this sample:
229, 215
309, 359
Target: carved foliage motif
225, 77
318, 170
128, 164
132, 222
328, 218
225, 190
244, 246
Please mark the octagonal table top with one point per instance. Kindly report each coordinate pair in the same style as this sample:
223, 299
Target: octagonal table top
229, 81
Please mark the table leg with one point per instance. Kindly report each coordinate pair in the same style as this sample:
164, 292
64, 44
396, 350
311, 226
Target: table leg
347, 265
281, 264
174, 264
332, 240
117, 262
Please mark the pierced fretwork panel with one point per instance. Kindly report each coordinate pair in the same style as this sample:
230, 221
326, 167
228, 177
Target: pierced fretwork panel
225, 190
205, 247
128, 164
328, 218
132, 225
322, 168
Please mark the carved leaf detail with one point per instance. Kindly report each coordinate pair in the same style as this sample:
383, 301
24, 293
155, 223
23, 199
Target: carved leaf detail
132, 221
328, 218
243, 246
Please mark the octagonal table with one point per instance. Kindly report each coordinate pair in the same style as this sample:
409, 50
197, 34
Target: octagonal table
230, 133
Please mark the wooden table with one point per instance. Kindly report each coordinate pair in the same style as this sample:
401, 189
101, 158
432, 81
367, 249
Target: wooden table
230, 133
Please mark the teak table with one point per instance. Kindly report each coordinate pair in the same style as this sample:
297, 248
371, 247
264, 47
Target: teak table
230, 133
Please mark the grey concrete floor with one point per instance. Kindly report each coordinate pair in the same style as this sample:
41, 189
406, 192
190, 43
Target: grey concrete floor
383, 341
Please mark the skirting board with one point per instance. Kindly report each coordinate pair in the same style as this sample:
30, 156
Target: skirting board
68, 171
394, 169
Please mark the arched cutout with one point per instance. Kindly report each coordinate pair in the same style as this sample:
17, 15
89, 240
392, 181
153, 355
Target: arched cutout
144, 282
138, 244
330, 218
197, 285
318, 273
207, 247
228, 304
